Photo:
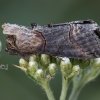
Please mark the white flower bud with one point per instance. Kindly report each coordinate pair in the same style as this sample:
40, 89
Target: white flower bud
76, 69
52, 69
33, 66
33, 58
23, 63
39, 74
96, 63
45, 59
66, 66
66, 62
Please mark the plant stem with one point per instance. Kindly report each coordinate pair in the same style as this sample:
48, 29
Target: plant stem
78, 84
48, 91
75, 92
65, 84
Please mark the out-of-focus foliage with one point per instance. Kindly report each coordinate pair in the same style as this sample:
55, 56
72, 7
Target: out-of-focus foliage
14, 84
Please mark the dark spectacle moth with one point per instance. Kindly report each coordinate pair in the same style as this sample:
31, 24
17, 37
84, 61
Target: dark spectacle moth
76, 39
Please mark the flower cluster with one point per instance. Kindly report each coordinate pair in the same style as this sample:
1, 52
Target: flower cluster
39, 67
42, 68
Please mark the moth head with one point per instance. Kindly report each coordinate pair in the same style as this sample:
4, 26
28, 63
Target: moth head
22, 40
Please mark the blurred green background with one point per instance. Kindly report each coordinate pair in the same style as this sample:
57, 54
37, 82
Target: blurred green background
14, 85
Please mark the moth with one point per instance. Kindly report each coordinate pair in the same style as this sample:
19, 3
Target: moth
76, 39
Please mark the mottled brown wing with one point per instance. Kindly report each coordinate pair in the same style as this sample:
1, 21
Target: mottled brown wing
76, 40
86, 41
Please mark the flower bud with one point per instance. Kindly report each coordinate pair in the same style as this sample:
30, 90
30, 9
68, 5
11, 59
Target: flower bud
96, 63
23, 63
45, 59
76, 69
33, 66
66, 66
52, 69
33, 58
39, 74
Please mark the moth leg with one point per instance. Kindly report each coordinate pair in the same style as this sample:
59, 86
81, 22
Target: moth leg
50, 25
33, 25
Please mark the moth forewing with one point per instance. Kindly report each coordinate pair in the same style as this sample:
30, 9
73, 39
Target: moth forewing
77, 39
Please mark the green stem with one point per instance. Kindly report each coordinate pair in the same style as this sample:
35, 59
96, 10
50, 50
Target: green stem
45, 86
78, 84
48, 91
65, 84
75, 92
